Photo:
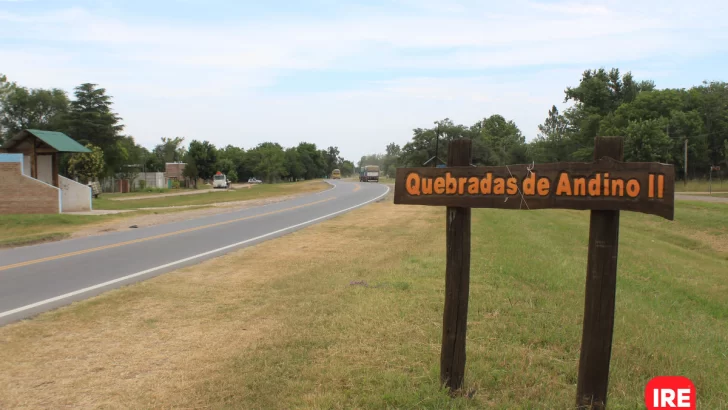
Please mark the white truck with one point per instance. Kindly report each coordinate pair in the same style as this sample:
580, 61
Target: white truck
220, 181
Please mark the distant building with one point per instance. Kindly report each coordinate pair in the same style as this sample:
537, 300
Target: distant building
173, 172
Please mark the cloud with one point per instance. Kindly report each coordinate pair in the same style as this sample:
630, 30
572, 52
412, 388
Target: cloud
209, 78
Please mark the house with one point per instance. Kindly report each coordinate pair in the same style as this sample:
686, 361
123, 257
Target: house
29, 179
173, 172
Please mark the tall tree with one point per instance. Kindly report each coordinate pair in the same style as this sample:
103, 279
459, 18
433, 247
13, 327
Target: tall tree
204, 154
170, 150
91, 120
270, 161
295, 169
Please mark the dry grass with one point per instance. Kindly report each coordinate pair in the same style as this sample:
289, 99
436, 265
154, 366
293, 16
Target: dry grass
347, 314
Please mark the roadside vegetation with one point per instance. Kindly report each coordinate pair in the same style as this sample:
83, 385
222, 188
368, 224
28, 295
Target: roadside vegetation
207, 198
348, 314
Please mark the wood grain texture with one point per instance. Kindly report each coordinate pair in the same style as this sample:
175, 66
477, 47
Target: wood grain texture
599, 296
457, 280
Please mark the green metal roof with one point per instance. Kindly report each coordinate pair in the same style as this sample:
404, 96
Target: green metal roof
58, 140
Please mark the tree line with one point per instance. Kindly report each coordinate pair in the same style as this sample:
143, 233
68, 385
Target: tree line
90, 120
655, 124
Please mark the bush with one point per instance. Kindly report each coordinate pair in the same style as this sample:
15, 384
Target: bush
142, 184
175, 184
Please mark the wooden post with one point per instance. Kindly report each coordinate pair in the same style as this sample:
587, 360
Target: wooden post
33, 160
54, 168
601, 283
457, 280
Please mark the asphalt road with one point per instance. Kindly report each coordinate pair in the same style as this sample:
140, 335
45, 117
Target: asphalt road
38, 278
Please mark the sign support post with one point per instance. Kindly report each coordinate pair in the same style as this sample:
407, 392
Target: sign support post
457, 279
601, 287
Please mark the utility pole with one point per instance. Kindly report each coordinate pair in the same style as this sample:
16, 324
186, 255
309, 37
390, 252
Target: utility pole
437, 143
685, 182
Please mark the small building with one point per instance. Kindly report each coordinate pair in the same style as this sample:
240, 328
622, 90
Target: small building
29, 179
173, 171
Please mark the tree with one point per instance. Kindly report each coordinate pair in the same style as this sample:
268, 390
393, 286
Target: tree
91, 120
347, 168
190, 171
23, 108
170, 150
331, 159
269, 159
646, 141
204, 155
87, 166
294, 167
237, 157
312, 160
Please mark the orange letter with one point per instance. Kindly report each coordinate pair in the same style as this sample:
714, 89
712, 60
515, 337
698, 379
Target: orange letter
580, 186
413, 184
660, 185
617, 183
543, 186
473, 187
564, 187
606, 184
485, 184
461, 185
427, 186
633, 188
451, 184
529, 184
512, 185
595, 186
439, 185
651, 186
499, 186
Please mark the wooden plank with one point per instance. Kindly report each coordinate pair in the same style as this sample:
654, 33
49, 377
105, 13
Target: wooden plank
457, 280
605, 184
601, 286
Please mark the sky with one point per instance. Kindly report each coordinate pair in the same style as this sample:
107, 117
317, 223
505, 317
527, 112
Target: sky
357, 75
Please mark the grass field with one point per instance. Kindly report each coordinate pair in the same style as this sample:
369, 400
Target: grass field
348, 313
242, 194
701, 186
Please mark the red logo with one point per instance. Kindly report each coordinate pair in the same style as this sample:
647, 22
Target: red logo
670, 392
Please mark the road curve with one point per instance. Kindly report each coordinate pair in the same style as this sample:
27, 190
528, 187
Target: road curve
38, 278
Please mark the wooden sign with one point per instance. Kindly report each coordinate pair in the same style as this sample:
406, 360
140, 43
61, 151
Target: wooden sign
605, 184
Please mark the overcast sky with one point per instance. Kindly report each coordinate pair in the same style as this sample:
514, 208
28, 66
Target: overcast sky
356, 75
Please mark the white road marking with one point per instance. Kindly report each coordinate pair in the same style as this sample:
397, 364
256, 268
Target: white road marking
167, 265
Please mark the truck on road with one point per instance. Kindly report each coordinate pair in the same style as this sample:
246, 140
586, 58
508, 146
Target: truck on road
369, 173
220, 181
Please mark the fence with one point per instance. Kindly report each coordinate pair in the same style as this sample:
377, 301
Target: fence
151, 180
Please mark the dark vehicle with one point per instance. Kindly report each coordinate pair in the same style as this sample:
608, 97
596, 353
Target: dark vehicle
369, 173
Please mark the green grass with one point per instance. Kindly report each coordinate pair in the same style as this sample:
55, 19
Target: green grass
256, 192
357, 347
292, 325
700, 185
145, 192
17, 230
